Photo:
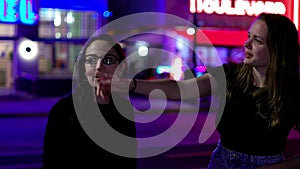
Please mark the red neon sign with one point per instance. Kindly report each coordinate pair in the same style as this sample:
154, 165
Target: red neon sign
241, 7
248, 8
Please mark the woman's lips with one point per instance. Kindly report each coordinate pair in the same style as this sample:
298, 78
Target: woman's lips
248, 55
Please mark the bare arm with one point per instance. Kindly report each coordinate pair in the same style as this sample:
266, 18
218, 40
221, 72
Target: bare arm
174, 90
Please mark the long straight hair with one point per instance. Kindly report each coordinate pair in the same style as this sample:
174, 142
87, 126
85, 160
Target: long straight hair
282, 76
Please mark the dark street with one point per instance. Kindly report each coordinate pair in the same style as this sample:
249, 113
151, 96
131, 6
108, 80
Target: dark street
23, 122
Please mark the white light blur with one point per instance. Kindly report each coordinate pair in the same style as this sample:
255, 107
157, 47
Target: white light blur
57, 19
177, 73
28, 49
57, 35
69, 35
70, 18
190, 31
143, 50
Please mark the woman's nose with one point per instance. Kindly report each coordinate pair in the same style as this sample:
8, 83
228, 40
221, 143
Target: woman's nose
247, 43
99, 64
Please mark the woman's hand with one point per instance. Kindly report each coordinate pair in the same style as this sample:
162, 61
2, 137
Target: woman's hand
107, 83
102, 89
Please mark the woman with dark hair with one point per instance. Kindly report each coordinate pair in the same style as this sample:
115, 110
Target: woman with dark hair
72, 138
262, 94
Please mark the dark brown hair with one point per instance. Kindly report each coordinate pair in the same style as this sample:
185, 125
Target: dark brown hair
81, 86
282, 72
81, 58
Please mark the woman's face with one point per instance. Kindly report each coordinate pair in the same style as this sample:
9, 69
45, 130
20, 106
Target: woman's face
99, 60
256, 50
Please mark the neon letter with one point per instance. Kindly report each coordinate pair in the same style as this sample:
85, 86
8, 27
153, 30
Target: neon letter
242, 7
27, 15
193, 6
8, 11
210, 6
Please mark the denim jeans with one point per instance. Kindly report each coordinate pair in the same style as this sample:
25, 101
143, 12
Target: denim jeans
223, 158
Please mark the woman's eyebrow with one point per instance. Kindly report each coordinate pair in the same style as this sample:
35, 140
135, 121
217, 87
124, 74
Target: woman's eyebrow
259, 37
256, 36
90, 55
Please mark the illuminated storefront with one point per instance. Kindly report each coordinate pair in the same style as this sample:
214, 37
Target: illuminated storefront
56, 29
60, 29
13, 13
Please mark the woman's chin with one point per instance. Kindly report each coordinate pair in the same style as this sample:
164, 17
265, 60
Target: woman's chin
247, 61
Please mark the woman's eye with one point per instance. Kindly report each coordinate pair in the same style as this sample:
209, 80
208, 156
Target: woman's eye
258, 41
92, 60
107, 60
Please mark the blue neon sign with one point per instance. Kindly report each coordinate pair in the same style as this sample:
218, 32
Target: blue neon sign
13, 11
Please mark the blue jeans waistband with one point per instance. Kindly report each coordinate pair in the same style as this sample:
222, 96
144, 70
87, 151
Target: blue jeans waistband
223, 157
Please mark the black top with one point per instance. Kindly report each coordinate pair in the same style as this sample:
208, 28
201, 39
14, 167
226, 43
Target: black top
242, 128
66, 144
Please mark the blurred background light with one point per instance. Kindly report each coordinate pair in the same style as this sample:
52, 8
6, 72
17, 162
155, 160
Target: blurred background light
28, 49
190, 31
107, 14
143, 50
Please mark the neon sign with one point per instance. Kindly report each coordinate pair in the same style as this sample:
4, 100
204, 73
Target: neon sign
12, 11
241, 7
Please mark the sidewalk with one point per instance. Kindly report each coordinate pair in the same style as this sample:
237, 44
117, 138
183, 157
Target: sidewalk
23, 118
16, 103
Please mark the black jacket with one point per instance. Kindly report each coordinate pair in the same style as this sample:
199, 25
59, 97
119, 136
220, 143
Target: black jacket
66, 144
